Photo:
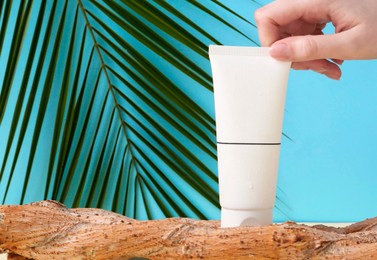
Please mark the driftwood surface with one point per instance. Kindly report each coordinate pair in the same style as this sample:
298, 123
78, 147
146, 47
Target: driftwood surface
49, 230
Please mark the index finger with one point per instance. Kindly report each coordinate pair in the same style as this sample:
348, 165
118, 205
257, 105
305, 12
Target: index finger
280, 13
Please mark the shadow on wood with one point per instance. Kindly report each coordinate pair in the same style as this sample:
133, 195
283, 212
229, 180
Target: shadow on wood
48, 230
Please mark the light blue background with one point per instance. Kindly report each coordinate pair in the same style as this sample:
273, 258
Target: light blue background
328, 172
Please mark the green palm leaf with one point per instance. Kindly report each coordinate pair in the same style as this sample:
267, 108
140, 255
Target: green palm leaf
95, 106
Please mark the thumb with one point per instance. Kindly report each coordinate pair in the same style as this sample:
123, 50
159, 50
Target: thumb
313, 47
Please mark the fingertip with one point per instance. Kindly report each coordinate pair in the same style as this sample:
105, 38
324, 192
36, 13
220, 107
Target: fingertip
334, 76
280, 51
332, 72
324, 67
259, 14
267, 21
335, 72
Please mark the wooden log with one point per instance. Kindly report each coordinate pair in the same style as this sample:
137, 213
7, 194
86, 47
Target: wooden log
49, 230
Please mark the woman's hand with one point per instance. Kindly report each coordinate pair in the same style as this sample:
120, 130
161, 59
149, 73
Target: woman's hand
293, 29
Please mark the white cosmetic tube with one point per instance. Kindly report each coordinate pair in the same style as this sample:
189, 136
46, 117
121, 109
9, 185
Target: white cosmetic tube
249, 90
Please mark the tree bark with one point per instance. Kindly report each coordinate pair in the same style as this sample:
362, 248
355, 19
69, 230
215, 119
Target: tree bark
48, 230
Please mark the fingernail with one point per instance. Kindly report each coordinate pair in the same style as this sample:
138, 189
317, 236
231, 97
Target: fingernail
339, 62
280, 51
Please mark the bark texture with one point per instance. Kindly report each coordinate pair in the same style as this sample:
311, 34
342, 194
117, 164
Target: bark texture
49, 230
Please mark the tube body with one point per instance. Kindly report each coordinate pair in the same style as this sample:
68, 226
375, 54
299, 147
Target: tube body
249, 91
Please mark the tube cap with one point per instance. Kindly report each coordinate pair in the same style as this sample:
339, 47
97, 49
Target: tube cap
236, 218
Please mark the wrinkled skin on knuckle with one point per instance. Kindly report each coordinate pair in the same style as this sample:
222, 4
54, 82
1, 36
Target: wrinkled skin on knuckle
306, 48
365, 47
